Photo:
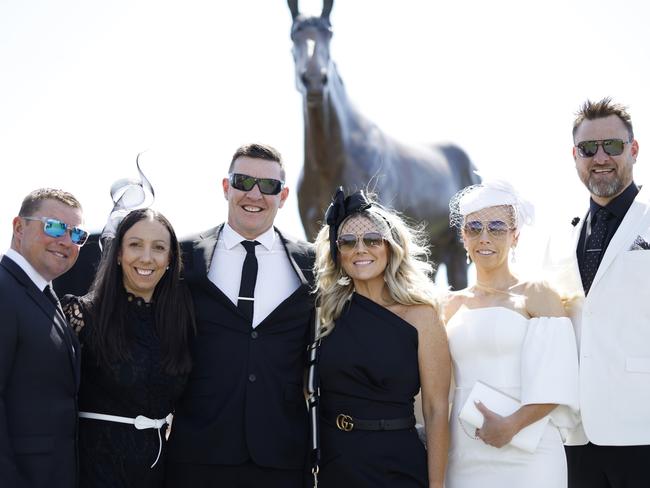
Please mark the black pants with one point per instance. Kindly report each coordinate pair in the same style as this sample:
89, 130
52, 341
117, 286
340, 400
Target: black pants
592, 466
247, 475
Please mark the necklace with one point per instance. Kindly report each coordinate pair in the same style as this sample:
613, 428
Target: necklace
490, 289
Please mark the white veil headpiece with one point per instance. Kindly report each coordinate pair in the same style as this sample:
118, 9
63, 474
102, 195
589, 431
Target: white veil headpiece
489, 193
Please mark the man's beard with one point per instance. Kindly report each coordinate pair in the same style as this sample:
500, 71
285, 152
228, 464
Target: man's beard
605, 189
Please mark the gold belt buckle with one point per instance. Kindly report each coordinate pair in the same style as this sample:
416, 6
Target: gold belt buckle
344, 422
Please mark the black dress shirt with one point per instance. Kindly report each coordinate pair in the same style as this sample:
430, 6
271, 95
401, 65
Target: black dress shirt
617, 209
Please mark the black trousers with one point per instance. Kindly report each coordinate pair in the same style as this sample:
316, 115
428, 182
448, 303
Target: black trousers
592, 466
247, 475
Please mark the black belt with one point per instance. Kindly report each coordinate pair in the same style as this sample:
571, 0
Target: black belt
347, 422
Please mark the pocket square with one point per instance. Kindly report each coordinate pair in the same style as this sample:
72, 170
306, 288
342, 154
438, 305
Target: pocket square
639, 244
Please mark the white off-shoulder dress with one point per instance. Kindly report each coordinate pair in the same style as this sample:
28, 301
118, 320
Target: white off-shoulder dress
534, 360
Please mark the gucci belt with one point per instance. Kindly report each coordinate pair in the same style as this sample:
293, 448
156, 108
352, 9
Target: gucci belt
347, 423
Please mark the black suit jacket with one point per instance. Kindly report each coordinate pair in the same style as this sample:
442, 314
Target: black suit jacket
244, 399
39, 377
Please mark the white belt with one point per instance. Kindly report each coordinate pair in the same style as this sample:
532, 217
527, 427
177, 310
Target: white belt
140, 422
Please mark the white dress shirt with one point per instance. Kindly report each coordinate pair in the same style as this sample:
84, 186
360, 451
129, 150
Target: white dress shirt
276, 278
29, 270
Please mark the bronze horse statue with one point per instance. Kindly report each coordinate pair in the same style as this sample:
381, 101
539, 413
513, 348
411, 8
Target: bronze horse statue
342, 147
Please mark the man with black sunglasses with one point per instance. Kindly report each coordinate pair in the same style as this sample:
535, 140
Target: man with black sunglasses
606, 264
243, 420
39, 353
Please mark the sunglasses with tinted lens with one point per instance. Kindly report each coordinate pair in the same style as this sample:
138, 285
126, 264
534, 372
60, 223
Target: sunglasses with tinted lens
267, 186
496, 228
56, 228
612, 147
348, 242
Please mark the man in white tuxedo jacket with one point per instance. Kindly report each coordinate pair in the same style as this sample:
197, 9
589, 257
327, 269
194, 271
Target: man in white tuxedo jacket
603, 264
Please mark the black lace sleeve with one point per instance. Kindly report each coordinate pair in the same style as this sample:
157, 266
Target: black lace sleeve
74, 312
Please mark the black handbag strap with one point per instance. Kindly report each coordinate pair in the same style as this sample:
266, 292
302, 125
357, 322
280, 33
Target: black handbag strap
313, 396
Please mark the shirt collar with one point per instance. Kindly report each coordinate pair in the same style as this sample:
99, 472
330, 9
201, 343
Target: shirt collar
29, 270
620, 204
231, 238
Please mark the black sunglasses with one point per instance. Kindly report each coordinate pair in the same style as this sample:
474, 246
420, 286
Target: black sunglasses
55, 228
348, 242
267, 186
612, 147
496, 228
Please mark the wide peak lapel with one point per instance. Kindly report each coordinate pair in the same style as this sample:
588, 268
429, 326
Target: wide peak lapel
203, 251
632, 223
55, 314
560, 260
299, 258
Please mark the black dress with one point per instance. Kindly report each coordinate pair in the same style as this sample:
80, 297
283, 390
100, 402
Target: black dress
369, 370
116, 455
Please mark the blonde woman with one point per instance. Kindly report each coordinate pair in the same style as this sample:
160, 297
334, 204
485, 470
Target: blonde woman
382, 342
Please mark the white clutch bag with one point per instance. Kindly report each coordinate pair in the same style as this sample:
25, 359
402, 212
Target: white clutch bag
526, 439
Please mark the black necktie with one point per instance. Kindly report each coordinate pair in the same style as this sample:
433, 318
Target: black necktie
594, 248
245, 299
49, 293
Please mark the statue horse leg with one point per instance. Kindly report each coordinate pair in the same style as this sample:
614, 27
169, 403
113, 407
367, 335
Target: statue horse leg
455, 260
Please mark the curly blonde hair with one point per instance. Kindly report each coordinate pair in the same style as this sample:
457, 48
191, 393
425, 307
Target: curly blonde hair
407, 273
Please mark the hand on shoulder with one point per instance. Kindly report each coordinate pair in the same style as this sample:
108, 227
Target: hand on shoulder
542, 300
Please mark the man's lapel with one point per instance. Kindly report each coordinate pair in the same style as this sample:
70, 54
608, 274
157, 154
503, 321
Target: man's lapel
632, 223
53, 313
299, 259
575, 237
204, 250
560, 261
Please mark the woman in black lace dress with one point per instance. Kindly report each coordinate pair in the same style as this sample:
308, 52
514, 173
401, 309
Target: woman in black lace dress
134, 327
382, 342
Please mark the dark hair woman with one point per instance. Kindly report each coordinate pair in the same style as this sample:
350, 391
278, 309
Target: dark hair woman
134, 326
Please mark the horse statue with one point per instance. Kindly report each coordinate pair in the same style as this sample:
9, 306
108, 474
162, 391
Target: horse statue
342, 147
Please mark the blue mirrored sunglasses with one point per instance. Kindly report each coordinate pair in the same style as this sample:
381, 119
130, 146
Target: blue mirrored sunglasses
56, 228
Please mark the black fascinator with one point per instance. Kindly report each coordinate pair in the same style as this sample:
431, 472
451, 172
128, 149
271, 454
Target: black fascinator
341, 208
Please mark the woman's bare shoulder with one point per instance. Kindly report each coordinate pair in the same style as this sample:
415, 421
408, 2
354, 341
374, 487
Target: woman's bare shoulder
451, 302
420, 316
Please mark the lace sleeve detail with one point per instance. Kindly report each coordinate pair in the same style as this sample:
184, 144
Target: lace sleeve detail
74, 312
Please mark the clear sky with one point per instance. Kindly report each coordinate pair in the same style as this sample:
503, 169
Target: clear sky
85, 85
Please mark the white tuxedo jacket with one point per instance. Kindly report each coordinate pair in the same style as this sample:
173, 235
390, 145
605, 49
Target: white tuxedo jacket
612, 327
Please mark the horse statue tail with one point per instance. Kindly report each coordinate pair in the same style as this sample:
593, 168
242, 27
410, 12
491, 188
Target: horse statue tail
462, 167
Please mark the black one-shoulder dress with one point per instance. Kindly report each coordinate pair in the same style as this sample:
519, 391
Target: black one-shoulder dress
369, 370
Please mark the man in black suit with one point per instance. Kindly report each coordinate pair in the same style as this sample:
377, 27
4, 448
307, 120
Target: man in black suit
39, 353
242, 421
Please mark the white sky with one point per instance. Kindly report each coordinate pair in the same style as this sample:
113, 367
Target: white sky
85, 85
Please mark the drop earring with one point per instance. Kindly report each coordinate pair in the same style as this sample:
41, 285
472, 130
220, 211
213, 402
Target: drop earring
512, 255
467, 259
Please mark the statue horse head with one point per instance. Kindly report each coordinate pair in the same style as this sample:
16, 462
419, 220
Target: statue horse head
311, 50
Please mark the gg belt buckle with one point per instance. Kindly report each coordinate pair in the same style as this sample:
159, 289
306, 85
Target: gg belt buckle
344, 422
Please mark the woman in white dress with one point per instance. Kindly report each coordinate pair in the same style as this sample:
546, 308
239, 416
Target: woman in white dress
513, 336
